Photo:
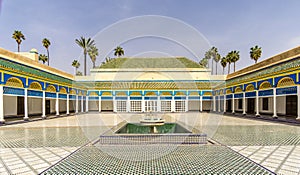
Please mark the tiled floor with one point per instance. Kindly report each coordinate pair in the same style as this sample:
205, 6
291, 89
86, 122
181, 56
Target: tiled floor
31, 148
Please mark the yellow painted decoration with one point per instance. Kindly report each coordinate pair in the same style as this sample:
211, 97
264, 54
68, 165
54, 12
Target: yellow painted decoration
51, 88
228, 91
14, 82
194, 94
73, 92
63, 90
121, 94
250, 87
35, 86
166, 94
150, 94
207, 94
135, 94
106, 94
284, 82
179, 94
265, 85
93, 94
238, 89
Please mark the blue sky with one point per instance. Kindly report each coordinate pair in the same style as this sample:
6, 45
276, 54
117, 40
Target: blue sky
228, 25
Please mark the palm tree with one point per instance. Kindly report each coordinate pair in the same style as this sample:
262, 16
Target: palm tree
208, 56
255, 53
223, 63
43, 58
203, 62
217, 58
235, 56
76, 65
18, 36
85, 44
119, 51
46, 44
93, 53
229, 60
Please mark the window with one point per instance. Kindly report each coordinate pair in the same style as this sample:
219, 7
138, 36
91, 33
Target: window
135, 106
151, 106
121, 106
240, 103
180, 106
265, 104
165, 106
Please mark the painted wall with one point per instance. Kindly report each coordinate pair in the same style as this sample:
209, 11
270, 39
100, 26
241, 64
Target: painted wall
93, 105
10, 105
62, 105
206, 105
72, 104
35, 105
194, 106
106, 105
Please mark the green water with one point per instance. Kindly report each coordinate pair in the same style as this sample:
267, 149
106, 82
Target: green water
136, 128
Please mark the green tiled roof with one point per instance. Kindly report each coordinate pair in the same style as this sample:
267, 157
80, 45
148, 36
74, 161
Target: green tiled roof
168, 62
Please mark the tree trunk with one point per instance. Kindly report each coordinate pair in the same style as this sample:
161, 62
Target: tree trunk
48, 57
228, 68
94, 64
255, 61
84, 63
216, 68
234, 66
212, 67
18, 47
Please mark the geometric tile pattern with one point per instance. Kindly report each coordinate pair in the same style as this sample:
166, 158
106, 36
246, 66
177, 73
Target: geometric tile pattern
258, 135
182, 160
41, 137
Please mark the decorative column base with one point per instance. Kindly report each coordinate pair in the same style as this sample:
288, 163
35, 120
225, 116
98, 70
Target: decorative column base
2, 122
298, 118
275, 117
244, 114
233, 113
44, 117
257, 115
26, 118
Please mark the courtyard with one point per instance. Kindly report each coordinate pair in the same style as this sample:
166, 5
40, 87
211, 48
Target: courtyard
68, 145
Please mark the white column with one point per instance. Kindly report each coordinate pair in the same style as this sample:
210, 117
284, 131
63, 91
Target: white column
82, 103
224, 110
143, 103
2, 121
219, 103
244, 103
257, 104
99, 105
68, 104
233, 104
128, 104
86, 103
214, 103
76, 105
44, 105
114, 104
57, 104
298, 102
186, 104
274, 103
201, 105
26, 104
173, 108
